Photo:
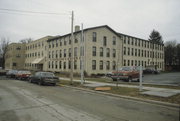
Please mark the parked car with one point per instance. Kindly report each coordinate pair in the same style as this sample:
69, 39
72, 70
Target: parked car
23, 75
2, 72
11, 73
127, 73
151, 71
44, 78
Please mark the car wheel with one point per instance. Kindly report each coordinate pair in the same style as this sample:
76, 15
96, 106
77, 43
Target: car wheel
30, 80
130, 79
40, 82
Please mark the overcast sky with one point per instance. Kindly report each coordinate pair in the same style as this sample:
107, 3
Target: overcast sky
132, 17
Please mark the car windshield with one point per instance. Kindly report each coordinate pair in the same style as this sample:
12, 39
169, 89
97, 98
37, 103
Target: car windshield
47, 74
126, 68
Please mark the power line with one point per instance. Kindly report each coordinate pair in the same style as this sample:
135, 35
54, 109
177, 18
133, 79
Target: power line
34, 12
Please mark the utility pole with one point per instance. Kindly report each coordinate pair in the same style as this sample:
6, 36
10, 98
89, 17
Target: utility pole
72, 41
82, 55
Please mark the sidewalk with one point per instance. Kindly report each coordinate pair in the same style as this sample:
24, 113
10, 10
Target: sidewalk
155, 91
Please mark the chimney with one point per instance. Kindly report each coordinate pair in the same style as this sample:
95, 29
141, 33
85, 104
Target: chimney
77, 28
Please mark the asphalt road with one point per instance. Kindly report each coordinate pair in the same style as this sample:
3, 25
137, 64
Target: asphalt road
23, 101
163, 78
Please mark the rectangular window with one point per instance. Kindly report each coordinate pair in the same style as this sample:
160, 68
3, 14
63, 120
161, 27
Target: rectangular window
104, 41
124, 63
75, 52
93, 64
124, 50
132, 51
114, 65
64, 52
60, 53
94, 37
135, 52
64, 65
75, 64
132, 41
60, 64
101, 65
69, 64
128, 40
107, 65
101, 52
107, 52
114, 41
93, 51
69, 52
128, 51
114, 53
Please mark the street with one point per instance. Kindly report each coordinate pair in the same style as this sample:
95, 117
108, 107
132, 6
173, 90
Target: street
23, 101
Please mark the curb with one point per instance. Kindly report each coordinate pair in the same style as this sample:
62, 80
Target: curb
127, 97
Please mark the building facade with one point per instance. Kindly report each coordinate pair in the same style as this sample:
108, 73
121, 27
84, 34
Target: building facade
36, 54
15, 56
98, 51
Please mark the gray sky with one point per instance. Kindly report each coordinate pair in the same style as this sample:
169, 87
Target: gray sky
133, 17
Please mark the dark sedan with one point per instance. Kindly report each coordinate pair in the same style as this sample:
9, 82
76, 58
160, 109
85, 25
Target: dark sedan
42, 78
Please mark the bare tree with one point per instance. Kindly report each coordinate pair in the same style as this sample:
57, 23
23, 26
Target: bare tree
26, 40
4, 42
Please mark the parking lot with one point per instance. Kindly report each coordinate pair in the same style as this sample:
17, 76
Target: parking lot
163, 78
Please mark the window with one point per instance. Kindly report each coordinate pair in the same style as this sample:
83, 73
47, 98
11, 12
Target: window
52, 64
101, 52
128, 51
52, 54
139, 52
139, 42
104, 41
49, 64
124, 39
135, 62
14, 64
18, 48
76, 40
69, 40
56, 43
145, 53
64, 65
64, 52
124, 50
52, 44
60, 42
64, 41
132, 41
94, 37
114, 40
60, 66
93, 51
93, 64
114, 53
129, 40
75, 64
101, 65
69, 63
69, 52
56, 65
60, 53
56, 54
124, 63
132, 51
75, 51
135, 42
135, 52
128, 63
107, 65
107, 52
132, 62
142, 53
114, 65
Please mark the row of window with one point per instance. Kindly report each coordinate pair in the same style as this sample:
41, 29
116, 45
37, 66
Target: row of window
102, 63
142, 43
35, 54
65, 53
35, 46
142, 53
101, 52
141, 62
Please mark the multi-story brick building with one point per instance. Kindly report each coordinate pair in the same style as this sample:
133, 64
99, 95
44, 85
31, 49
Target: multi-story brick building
102, 50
